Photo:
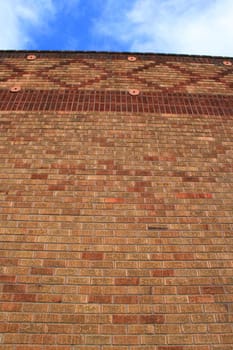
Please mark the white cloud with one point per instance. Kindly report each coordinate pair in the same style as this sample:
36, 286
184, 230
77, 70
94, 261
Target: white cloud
179, 26
19, 19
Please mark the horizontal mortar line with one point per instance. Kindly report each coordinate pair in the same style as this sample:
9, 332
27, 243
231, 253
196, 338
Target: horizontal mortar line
133, 244
122, 215
107, 192
126, 260
117, 213
24, 174
147, 165
141, 277
92, 279
138, 245
125, 224
121, 312
122, 252
114, 222
209, 242
112, 303
137, 232
89, 171
122, 206
156, 180
79, 157
133, 198
98, 196
185, 269
225, 238
14, 132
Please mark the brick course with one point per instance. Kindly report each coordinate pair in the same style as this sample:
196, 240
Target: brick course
116, 210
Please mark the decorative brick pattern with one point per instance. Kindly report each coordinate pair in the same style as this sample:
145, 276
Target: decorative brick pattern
116, 221
156, 73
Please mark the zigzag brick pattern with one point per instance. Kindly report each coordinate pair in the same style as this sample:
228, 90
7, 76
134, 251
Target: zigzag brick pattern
115, 223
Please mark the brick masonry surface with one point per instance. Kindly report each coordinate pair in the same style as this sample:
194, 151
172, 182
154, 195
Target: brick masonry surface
116, 210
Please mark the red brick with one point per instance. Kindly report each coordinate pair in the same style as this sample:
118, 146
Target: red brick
125, 319
201, 299
11, 307
39, 176
127, 281
126, 299
183, 256
6, 278
152, 319
9, 261
188, 290
100, 299
41, 271
126, 339
163, 273
193, 195
92, 256
14, 288
24, 297
171, 347
212, 290
56, 188
114, 200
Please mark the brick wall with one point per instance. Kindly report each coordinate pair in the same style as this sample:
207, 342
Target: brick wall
116, 210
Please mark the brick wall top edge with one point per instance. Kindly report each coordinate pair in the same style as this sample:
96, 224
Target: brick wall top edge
113, 55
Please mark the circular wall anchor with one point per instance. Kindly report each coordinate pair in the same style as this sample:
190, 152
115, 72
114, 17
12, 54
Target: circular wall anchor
132, 58
227, 63
134, 92
31, 57
15, 88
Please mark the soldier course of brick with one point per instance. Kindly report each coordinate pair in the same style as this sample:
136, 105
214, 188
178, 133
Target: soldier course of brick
116, 201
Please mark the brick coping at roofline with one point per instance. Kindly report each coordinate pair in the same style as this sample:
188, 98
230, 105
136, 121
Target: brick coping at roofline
115, 54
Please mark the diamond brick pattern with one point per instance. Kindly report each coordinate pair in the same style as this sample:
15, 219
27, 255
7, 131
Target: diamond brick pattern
115, 210
158, 75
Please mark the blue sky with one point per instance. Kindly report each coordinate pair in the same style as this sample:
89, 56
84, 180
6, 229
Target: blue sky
168, 26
